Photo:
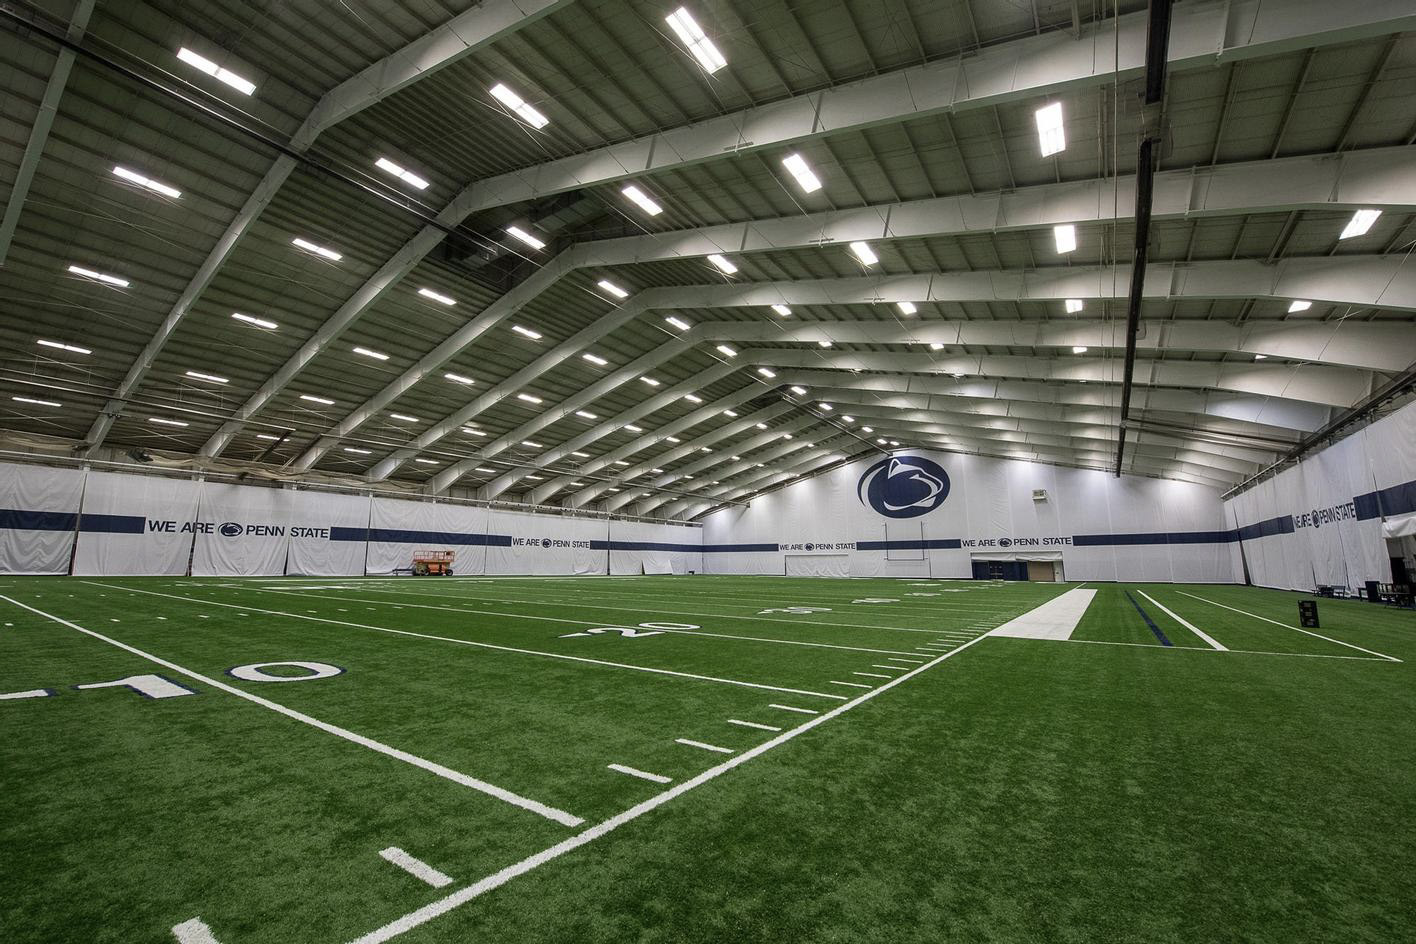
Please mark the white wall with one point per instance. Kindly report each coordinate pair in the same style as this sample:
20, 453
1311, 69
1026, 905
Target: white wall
1320, 521
116, 524
1101, 527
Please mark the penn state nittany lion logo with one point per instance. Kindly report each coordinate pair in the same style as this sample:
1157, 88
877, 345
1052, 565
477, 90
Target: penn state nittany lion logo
545, 542
230, 529
903, 486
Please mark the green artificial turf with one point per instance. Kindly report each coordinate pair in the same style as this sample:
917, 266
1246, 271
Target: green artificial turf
1105, 789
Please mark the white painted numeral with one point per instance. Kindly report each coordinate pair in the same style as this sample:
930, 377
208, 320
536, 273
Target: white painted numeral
148, 686
796, 610
667, 626
256, 672
876, 600
624, 631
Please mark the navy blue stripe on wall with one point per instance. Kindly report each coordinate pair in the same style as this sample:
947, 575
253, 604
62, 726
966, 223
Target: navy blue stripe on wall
1158, 537
680, 548
402, 536
113, 524
15, 520
1283, 524
1396, 500
940, 544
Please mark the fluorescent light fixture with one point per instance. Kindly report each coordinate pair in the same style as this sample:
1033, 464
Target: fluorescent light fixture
783, 310
516, 232
459, 379
531, 445
894, 442
595, 359
867, 429
642, 200
243, 85
210, 378
536, 478
957, 376
723, 264
657, 471
517, 104
1361, 221
582, 455
308, 246
473, 432
427, 461
133, 176
1079, 349
883, 441
1260, 357
805, 177
268, 436
1051, 136
826, 406
586, 415
650, 381
823, 343
1299, 306
799, 391
678, 323
761, 425
1074, 305
164, 421
71, 348
435, 296
311, 398
620, 462
847, 419
632, 428
367, 352
482, 468
864, 253
529, 398
766, 372
607, 286
526, 332
33, 402
99, 276
726, 351
704, 449
257, 322
936, 345
407, 176
404, 418
673, 439
692, 398
1065, 237
697, 41
732, 413
358, 452
907, 308
787, 436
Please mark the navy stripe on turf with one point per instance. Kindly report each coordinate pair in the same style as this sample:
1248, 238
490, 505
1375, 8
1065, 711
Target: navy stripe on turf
1149, 622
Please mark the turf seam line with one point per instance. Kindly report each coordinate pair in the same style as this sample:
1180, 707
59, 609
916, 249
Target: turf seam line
463, 895
1214, 643
447, 773
641, 774
415, 867
1155, 630
1294, 628
494, 646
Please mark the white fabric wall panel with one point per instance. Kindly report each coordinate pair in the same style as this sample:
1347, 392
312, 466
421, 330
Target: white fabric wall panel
818, 565
547, 544
328, 534
39, 514
399, 528
243, 531
136, 525
644, 547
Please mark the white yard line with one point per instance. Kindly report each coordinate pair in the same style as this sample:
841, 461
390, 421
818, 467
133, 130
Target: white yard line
701, 746
851, 684
641, 774
464, 895
1236, 652
447, 773
892, 668
913, 661
804, 711
1213, 643
1295, 629
872, 675
753, 724
488, 645
415, 867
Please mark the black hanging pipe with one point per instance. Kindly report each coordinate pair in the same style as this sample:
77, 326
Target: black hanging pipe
1157, 44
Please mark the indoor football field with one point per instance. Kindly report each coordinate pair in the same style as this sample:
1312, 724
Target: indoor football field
700, 758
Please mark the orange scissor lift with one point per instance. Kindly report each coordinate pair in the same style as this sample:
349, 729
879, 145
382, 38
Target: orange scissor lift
430, 563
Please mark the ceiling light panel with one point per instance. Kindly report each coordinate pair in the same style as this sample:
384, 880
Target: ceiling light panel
694, 39
241, 84
146, 182
518, 106
407, 176
806, 178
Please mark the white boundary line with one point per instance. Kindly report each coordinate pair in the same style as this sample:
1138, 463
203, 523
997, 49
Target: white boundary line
1234, 652
463, 895
447, 773
488, 645
1213, 643
1293, 628
641, 774
415, 867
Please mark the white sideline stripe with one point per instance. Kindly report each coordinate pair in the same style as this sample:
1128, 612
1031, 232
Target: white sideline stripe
641, 774
851, 684
804, 711
1055, 619
488, 645
1305, 632
871, 675
415, 867
497, 879
1232, 652
193, 931
32, 693
447, 773
754, 724
706, 747
1213, 643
